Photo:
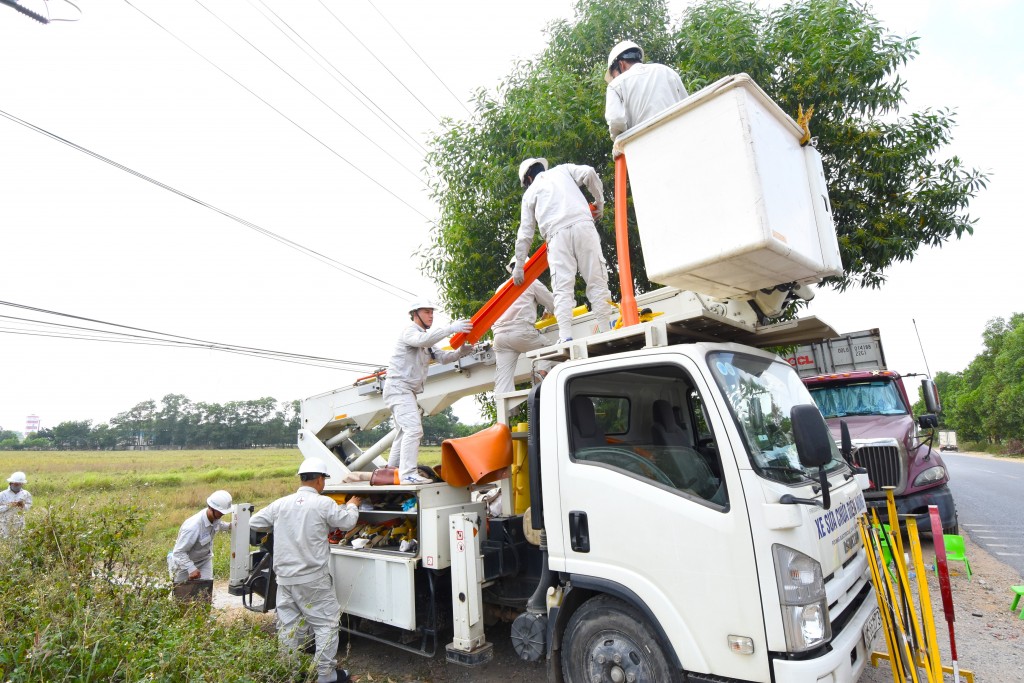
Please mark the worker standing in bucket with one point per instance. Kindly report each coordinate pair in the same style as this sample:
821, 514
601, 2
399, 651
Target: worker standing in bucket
14, 502
554, 203
306, 598
515, 332
407, 371
637, 91
192, 556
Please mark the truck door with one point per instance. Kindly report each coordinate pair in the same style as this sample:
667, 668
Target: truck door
651, 506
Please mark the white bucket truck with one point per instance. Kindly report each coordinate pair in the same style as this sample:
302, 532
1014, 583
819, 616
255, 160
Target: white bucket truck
676, 509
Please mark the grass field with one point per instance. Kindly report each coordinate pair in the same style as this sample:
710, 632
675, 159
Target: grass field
172, 485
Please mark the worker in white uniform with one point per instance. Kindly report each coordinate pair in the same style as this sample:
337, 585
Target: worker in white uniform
305, 589
515, 332
192, 556
14, 502
414, 350
637, 91
554, 203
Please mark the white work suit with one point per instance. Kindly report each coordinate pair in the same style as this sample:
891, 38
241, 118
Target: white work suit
406, 373
553, 202
639, 93
305, 595
12, 518
194, 548
515, 332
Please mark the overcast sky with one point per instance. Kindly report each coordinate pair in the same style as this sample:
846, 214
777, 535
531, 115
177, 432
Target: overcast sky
312, 165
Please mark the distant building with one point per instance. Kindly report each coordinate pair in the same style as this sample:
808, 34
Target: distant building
32, 424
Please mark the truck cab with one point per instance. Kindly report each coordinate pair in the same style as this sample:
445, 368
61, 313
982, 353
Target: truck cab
888, 441
663, 476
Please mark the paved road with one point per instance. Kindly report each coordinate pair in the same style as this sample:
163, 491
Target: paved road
988, 493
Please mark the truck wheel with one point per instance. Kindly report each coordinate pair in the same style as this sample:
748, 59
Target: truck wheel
954, 529
606, 640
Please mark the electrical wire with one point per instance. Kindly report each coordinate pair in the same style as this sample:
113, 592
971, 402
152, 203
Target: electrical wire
164, 339
282, 114
395, 127
319, 99
383, 285
461, 103
367, 48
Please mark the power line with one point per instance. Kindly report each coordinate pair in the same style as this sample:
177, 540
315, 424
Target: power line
165, 339
367, 48
393, 125
319, 99
463, 104
383, 285
282, 114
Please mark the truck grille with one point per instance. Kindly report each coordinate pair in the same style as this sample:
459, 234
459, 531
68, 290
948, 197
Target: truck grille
883, 462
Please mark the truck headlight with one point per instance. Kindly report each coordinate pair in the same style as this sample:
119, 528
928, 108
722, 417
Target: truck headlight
930, 475
802, 598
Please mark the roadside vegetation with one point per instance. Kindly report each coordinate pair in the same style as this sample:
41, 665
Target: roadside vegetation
84, 587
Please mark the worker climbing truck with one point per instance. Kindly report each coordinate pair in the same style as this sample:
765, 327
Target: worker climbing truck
850, 382
673, 508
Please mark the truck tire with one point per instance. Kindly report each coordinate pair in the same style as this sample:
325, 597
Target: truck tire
954, 529
607, 640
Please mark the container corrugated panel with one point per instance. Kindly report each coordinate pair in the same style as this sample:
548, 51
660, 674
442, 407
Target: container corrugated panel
727, 201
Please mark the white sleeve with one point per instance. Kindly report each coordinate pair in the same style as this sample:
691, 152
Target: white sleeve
587, 177
414, 335
27, 500
543, 296
615, 112
342, 517
186, 539
264, 519
527, 228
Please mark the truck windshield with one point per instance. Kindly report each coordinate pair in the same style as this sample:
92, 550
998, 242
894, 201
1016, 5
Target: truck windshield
761, 393
877, 397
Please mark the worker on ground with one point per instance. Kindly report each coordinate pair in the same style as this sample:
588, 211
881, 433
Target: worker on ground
406, 372
554, 203
305, 589
14, 502
637, 91
192, 557
515, 332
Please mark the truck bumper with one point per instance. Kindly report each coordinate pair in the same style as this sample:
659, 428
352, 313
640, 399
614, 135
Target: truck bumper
845, 660
916, 504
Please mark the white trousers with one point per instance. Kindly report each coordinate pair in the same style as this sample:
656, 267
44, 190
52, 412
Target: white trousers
312, 607
509, 342
405, 450
572, 249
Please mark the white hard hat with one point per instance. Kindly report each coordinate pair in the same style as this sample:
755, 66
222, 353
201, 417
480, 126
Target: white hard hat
613, 56
17, 478
417, 304
313, 466
220, 501
525, 166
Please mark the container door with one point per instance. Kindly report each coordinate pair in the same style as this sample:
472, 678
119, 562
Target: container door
650, 500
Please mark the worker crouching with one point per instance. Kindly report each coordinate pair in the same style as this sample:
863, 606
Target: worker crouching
191, 560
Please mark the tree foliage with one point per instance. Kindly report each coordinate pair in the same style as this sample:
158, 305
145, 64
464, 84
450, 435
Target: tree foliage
986, 400
890, 190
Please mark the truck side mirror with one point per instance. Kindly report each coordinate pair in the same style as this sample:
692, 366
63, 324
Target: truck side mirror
813, 440
928, 421
932, 403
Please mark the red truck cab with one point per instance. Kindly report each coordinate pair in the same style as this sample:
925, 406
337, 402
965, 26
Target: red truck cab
887, 441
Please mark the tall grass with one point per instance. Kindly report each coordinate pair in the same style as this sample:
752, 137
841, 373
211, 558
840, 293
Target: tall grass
79, 606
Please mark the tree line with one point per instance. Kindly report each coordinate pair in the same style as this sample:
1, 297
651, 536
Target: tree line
177, 423
985, 402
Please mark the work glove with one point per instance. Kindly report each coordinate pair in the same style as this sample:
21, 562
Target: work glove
597, 211
518, 276
460, 327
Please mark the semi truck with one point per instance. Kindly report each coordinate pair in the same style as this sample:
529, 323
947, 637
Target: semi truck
947, 440
673, 507
850, 381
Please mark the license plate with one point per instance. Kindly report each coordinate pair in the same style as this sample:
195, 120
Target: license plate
871, 628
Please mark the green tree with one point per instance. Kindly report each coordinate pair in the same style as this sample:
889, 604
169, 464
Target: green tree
890, 191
